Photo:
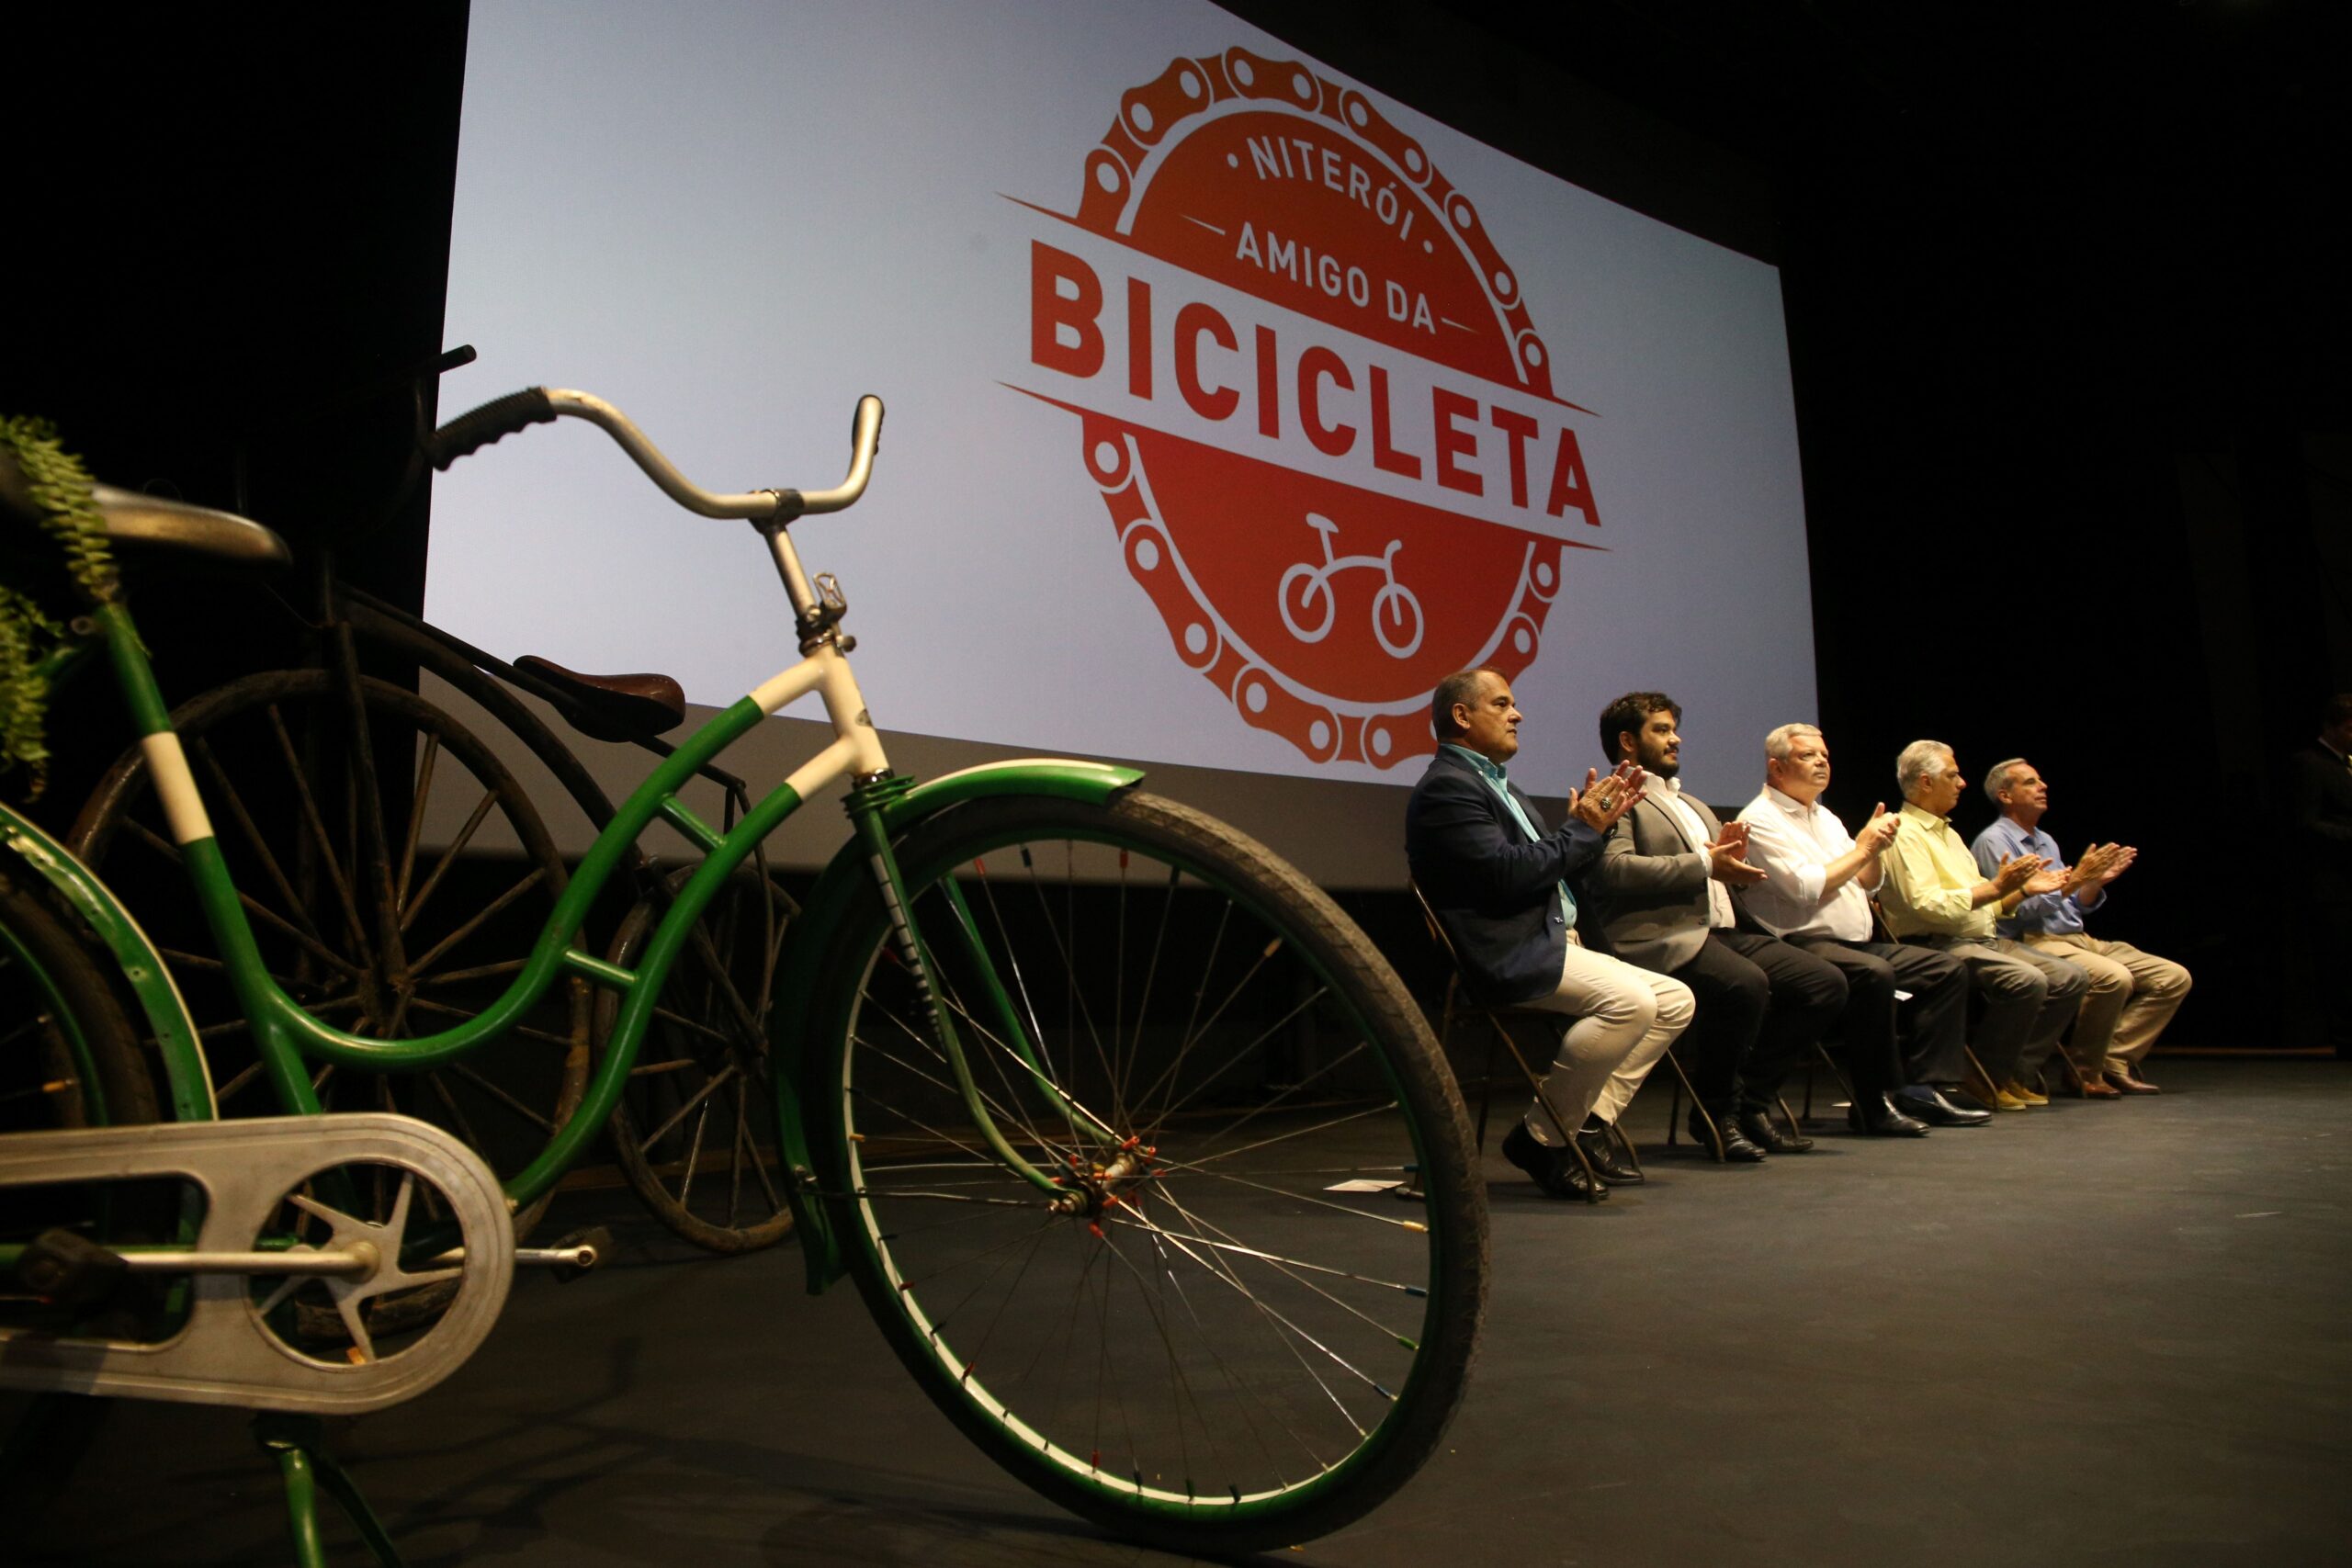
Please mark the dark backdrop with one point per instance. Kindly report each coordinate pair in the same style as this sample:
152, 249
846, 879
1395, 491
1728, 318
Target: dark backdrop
2065, 303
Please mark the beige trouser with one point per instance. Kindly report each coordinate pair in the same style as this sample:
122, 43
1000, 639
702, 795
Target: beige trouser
2133, 994
1626, 1017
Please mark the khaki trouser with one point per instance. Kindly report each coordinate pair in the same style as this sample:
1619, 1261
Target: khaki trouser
1625, 1018
2133, 994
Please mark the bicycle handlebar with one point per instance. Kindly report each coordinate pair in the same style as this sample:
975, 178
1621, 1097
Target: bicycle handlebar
516, 411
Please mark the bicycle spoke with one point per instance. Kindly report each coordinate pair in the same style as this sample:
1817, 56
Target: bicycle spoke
317, 824
465, 1127
699, 1096
500, 1095
1288, 1090
233, 802
431, 754
694, 1150
521, 1031
420, 966
252, 906
449, 853
1241, 1054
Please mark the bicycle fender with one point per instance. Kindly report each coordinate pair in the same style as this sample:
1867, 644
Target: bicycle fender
801, 971
188, 1076
1063, 777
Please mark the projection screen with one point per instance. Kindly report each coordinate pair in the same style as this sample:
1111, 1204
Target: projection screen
1231, 404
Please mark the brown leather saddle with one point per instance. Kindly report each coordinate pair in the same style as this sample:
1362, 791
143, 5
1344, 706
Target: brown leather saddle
612, 707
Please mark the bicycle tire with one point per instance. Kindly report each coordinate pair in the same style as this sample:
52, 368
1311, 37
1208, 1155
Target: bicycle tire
1288, 1395
274, 754
53, 998
50, 988
706, 1051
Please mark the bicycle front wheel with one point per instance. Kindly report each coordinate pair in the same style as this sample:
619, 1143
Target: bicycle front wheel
1240, 1322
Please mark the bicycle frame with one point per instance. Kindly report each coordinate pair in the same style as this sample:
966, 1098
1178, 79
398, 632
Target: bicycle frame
881, 807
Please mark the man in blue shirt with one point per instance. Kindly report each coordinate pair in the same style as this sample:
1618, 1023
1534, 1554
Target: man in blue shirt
2132, 994
1496, 878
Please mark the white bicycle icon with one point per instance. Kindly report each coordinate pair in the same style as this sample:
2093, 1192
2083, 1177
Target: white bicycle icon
1308, 605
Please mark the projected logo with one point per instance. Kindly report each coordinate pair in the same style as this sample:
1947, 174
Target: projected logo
1313, 399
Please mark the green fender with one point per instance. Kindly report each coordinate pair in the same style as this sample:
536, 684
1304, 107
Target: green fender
188, 1078
800, 972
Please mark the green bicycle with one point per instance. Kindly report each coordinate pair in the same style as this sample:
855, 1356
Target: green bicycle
1140, 1154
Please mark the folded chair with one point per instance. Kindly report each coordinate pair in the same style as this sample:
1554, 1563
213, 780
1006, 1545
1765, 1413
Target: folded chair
1461, 1003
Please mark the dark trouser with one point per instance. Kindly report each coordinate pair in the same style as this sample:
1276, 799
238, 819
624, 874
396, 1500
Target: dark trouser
1936, 1035
2024, 1001
1761, 1003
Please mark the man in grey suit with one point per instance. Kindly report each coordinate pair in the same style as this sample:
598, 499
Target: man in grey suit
1663, 886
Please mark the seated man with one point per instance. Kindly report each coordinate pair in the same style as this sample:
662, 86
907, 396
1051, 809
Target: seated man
1816, 896
2134, 993
1663, 891
1932, 894
1498, 879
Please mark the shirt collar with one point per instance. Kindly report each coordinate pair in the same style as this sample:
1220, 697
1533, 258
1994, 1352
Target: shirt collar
1490, 769
1927, 819
1791, 804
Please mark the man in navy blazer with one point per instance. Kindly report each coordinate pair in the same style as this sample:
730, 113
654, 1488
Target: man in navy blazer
1496, 878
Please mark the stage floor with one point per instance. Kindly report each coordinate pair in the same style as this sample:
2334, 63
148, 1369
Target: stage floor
2095, 1333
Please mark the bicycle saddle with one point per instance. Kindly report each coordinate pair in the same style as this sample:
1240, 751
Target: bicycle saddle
144, 522
611, 707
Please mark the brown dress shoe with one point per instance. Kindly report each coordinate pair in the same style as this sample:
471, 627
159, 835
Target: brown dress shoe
2099, 1088
2127, 1083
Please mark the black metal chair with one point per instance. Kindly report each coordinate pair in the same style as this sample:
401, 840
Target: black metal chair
1461, 1003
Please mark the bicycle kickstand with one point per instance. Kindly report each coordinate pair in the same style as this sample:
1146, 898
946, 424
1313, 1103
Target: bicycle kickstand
300, 1444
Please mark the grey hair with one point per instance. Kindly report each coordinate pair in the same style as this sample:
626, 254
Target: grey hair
1921, 760
1997, 778
1777, 743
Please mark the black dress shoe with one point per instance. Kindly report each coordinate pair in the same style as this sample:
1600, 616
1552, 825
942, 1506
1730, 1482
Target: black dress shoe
1554, 1170
1770, 1135
1600, 1153
1737, 1150
1936, 1109
1876, 1115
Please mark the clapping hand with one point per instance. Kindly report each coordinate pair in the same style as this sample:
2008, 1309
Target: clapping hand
2017, 870
1602, 801
2102, 863
1879, 832
1726, 860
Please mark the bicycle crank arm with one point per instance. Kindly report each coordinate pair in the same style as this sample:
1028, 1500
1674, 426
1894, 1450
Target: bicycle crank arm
230, 1351
357, 1261
571, 1257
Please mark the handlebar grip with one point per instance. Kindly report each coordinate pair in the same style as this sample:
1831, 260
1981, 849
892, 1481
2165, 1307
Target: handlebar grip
472, 432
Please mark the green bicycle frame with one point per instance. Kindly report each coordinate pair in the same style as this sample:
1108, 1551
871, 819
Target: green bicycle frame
881, 808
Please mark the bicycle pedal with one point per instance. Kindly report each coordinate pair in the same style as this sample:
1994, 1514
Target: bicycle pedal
574, 1255
70, 1270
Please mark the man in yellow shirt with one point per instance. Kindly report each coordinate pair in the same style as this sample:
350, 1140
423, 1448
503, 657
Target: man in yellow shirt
1933, 894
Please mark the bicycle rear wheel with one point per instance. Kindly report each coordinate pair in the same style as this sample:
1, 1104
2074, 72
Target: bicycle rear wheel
1247, 1328
395, 889
695, 1131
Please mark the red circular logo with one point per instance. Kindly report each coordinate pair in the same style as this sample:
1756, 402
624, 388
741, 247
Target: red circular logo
1362, 479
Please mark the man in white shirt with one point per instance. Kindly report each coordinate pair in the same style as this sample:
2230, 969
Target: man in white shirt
1662, 886
1815, 895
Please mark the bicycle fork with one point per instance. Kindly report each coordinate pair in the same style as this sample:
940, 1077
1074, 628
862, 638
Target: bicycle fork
1071, 1194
